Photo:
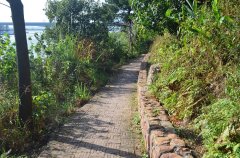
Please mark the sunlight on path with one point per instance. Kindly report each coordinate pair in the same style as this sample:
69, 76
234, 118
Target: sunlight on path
102, 127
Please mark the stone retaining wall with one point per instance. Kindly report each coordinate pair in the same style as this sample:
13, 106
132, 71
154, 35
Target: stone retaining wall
160, 137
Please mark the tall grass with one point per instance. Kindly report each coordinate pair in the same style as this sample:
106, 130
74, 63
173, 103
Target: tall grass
65, 72
199, 79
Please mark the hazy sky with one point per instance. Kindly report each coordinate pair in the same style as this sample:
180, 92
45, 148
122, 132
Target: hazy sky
33, 11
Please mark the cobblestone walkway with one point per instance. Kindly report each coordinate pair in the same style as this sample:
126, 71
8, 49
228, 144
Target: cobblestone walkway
100, 129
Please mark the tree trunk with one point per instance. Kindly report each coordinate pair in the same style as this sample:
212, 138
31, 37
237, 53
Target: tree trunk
130, 30
24, 80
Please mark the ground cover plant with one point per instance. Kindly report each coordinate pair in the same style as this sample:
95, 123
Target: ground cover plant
196, 44
199, 79
69, 63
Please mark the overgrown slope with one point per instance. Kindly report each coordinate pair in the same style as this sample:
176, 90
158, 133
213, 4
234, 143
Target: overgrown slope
199, 82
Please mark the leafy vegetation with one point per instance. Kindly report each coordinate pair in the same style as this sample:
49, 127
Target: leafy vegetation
195, 42
136, 126
199, 78
70, 61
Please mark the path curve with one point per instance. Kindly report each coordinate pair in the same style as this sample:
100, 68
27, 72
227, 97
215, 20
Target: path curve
100, 129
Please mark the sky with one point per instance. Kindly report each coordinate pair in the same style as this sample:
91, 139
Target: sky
33, 11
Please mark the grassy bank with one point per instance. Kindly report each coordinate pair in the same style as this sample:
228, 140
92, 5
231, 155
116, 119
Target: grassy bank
199, 82
136, 127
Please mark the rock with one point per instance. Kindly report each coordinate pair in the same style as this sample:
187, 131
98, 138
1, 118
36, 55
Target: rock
166, 124
161, 141
186, 152
157, 133
163, 117
172, 136
177, 143
160, 150
154, 69
171, 155
165, 149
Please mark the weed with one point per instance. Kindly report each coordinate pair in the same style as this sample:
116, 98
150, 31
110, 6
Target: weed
199, 79
64, 71
136, 120
82, 94
144, 155
156, 112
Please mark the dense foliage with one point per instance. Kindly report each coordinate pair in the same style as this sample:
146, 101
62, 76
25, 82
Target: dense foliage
150, 15
199, 78
70, 61
197, 45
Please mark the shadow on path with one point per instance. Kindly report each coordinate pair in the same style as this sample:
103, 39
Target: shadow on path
95, 147
101, 128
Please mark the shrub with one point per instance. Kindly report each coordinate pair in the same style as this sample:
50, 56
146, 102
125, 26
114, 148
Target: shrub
199, 79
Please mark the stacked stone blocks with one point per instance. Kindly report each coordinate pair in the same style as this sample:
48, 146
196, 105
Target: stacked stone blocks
161, 140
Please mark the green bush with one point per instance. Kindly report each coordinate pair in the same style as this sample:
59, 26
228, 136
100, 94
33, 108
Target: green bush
82, 94
8, 64
64, 71
199, 79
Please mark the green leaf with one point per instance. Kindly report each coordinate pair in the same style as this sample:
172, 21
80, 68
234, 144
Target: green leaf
195, 6
189, 10
199, 31
189, 4
168, 13
236, 148
215, 9
228, 19
221, 20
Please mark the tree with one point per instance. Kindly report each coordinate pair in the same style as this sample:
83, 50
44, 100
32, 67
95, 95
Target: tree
123, 13
24, 80
151, 15
86, 19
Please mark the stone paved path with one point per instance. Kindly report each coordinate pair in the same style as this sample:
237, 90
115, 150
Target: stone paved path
100, 129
